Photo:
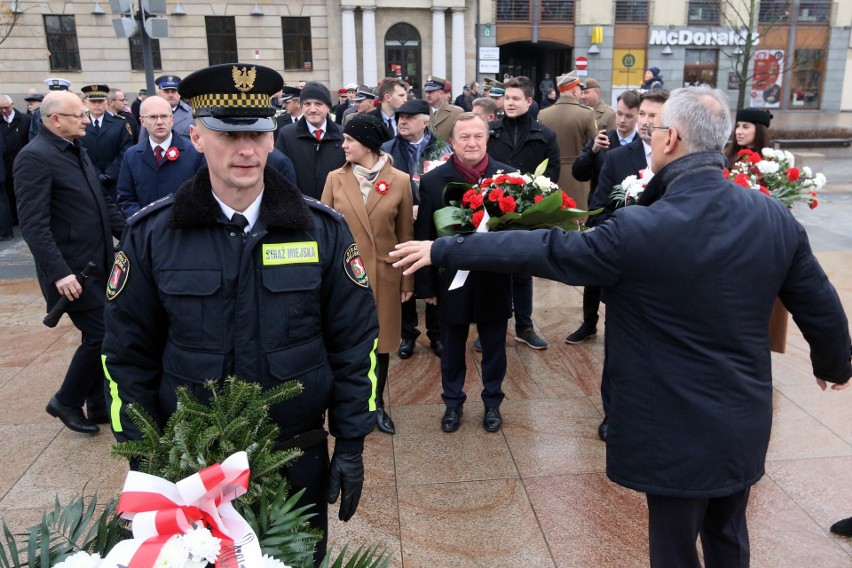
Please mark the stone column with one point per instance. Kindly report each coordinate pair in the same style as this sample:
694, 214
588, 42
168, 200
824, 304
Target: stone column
458, 56
368, 34
350, 59
439, 44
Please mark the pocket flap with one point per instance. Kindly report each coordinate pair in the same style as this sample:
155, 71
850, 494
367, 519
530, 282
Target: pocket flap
291, 278
190, 282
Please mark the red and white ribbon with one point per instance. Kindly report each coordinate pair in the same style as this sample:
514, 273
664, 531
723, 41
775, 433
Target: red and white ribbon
160, 509
461, 276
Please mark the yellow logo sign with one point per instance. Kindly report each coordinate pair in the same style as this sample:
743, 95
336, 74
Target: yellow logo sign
277, 254
244, 78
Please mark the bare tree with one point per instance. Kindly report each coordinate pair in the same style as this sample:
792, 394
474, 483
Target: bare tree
10, 13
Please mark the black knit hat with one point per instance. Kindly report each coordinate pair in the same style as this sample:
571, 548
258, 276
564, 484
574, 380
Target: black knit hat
315, 91
368, 130
754, 116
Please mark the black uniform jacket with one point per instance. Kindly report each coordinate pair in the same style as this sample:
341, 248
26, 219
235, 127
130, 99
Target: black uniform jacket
106, 148
619, 163
15, 135
538, 143
313, 160
486, 296
190, 300
66, 218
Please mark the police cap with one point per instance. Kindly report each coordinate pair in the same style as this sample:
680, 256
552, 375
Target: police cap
167, 81
95, 92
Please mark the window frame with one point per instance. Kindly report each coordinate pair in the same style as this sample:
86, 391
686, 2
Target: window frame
219, 50
62, 46
302, 37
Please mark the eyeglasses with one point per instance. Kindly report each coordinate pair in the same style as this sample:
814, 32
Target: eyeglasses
651, 128
78, 116
158, 117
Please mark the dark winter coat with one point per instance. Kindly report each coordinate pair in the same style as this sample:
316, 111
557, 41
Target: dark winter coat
313, 160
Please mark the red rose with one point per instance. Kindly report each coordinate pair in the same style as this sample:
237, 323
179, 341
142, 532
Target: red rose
382, 187
477, 218
172, 154
507, 204
765, 191
742, 180
495, 195
568, 202
538, 198
792, 174
754, 158
813, 203
476, 201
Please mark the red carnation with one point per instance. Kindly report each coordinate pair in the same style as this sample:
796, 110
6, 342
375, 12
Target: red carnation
538, 198
765, 191
792, 174
744, 152
495, 195
754, 158
507, 204
476, 201
813, 203
568, 202
726, 172
501, 178
477, 218
517, 181
486, 182
468, 195
742, 180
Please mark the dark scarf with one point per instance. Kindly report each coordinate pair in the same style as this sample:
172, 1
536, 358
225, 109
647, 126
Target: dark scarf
689, 165
474, 174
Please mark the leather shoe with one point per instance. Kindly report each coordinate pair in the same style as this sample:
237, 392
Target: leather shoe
603, 429
72, 417
452, 419
492, 419
406, 348
437, 347
843, 528
384, 422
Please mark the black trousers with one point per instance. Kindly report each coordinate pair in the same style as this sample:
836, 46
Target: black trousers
84, 380
591, 304
674, 524
310, 472
409, 321
492, 335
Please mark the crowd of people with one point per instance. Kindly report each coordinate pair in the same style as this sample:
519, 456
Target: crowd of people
256, 224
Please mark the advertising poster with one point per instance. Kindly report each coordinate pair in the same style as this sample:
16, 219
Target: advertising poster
628, 71
766, 84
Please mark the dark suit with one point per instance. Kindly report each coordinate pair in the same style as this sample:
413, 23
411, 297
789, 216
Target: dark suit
67, 221
5, 213
485, 299
690, 291
313, 160
106, 146
618, 164
141, 181
15, 136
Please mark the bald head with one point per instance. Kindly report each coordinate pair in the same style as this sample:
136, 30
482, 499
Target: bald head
157, 118
64, 114
155, 105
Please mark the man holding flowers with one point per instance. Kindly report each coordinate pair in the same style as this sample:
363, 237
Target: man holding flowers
690, 291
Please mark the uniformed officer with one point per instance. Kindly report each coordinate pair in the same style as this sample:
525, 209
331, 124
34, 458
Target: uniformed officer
107, 136
53, 84
167, 87
239, 274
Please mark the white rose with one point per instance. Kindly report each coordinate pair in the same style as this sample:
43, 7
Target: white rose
767, 167
543, 183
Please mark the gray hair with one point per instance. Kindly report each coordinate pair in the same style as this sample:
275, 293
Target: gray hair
6, 98
701, 116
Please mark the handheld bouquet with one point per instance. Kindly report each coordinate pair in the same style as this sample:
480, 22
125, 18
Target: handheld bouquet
773, 173
629, 190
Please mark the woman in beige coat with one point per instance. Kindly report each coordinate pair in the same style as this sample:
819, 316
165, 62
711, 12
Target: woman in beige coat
376, 201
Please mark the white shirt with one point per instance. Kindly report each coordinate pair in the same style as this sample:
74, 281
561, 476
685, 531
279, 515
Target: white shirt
11, 117
647, 152
251, 213
165, 145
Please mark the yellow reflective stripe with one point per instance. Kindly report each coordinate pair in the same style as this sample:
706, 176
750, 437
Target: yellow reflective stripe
115, 405
371, 374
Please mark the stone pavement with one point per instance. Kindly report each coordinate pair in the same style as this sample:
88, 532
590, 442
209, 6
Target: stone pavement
534, 494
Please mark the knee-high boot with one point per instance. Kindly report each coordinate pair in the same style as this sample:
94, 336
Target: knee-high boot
383, 421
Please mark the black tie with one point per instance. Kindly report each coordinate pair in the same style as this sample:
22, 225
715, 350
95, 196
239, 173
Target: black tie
239, 221
390, 127
97, 125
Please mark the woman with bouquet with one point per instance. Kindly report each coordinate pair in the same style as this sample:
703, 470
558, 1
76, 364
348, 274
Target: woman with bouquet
376, 200
751, 132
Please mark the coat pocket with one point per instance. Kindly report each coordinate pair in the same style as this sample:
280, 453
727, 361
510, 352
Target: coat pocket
291, 304
191, 298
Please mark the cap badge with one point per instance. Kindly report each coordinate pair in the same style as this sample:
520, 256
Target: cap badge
244, 78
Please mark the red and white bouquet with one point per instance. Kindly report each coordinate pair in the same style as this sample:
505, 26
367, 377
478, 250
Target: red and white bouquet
774, 173
629, 190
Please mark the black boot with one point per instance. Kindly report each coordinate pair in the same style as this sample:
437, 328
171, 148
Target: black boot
383, 421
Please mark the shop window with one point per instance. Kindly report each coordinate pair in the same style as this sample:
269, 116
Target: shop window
61, 33
773, 11
703, 12
221, 39
137, 60
557, 10
700, 66
814, 11
513, 10
806, 78
296, 33
631, 10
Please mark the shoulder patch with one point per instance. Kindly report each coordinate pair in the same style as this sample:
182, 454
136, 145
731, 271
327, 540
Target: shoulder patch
118, 276
150, 208
127, 126
354, 266
320, 206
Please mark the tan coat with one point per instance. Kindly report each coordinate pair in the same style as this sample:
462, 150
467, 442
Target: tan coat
573, 124
605, 117
443, 119
380, 224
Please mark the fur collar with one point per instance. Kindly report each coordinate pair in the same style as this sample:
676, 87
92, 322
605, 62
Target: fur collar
283, 205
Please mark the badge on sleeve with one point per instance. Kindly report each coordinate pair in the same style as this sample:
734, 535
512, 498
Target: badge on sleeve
354, 266
118, 276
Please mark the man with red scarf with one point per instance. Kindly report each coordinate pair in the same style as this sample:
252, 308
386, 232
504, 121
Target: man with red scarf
486, 297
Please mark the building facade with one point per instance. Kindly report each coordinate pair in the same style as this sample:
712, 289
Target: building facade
800, 51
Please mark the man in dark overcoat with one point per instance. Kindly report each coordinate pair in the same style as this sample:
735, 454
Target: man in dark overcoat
68, 221
107, 136
15, 130
689, 294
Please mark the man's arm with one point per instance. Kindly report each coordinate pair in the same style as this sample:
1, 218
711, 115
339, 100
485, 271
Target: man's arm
125, 141
584, 166
126, 198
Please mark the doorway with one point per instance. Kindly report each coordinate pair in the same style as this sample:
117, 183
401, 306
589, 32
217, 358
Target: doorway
402, 55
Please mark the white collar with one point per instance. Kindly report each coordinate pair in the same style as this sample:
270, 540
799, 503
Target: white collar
312, 128
251, 213
165, 145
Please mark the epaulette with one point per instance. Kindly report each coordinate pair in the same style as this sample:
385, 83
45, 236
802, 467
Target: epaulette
150, 208
320, 206
587, 106
121, 116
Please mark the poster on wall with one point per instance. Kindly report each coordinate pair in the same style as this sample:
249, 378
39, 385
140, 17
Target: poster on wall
628, 71
766, 84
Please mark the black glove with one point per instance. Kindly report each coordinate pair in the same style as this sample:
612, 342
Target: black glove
346, 477
105, 179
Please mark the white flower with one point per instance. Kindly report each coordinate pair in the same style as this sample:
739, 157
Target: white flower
791, 160
767, 167
202, 545
80, 560
807, 172
543, 183
430, 165
526, 178
173, 554
269, 562
819, 180
768, 153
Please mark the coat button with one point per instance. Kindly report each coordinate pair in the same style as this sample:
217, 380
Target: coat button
460, 240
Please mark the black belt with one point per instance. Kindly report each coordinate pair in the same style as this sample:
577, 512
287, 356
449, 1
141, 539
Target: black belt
304, 440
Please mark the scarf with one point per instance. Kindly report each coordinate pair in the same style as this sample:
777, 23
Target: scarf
689, 165
366, 177
474, 174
